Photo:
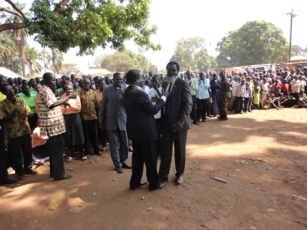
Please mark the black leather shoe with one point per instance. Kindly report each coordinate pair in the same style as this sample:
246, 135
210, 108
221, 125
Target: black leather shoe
223, 118
125, 166
7, 181
64, 177
98, 154
142, 183
158, 186
30, 172
119, 170
195, 123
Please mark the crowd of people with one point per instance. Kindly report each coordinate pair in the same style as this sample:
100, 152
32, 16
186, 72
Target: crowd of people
43, 117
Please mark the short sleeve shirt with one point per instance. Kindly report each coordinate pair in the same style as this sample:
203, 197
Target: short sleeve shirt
89, 103
51, 121
19, 125
29, 101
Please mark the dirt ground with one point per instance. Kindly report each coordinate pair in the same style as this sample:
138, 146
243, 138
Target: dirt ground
262, 155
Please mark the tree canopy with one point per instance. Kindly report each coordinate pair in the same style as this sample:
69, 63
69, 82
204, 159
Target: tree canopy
254, 43
192, 54
85, 24
123, 61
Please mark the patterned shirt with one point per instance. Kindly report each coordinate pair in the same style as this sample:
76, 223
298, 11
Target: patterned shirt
18, 126
2, 96
51, 121
89, 103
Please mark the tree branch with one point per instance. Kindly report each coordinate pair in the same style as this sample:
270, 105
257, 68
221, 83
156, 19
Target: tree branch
63, 3
11, 12
10, 26
17, 9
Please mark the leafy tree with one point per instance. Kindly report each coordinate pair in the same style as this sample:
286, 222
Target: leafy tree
144, 63
85, 24
46, 58
134, 57
32, 57
298, 51
254, 43
19, 35
153, 69
57, 60
123, 61
118, 62
7, 49
192, 54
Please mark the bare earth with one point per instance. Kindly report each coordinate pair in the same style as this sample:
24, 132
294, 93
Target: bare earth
262, 155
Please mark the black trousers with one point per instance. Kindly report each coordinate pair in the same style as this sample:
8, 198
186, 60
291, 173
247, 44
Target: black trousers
20, 153
3, 158
144, 152
193, 113
202, 108
55, 146
179, 139
90, 129
239, 104
159, 140
32, 119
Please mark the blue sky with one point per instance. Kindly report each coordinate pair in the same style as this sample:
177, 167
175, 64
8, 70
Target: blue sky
211, 20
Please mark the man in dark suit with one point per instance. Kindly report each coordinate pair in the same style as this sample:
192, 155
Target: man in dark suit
112, 117
141, 128
175, 123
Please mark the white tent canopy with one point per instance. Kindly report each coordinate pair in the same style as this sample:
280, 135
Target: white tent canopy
298, 58
8, 73
93, 72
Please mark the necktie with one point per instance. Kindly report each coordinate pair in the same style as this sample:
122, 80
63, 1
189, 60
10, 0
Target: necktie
170, 87
117, 92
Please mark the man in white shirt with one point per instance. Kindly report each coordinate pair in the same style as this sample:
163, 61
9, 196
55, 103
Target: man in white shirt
240, 94
202, 97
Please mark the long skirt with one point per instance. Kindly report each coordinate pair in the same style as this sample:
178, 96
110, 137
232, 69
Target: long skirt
74, 132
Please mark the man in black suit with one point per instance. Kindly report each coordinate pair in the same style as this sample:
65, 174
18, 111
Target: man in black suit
141, 128
175, 123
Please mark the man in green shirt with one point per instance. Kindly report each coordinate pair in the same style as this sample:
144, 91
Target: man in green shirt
29, 98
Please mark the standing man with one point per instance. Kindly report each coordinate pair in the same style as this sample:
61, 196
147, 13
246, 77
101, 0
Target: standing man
142, 131
225, 86
202, 97
89, 104
51, 123
113, 117
29, 98
193, 86
175, 123
14, 111
3, 144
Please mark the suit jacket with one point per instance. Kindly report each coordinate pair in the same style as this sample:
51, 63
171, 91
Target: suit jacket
141, 125
179, 104
112, 112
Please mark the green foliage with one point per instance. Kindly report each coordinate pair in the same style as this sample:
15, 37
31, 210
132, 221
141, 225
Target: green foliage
153, 69
89, 24
32, 57
192, 54
126, 60
254, 43
118, 62
298, 51
7, 49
